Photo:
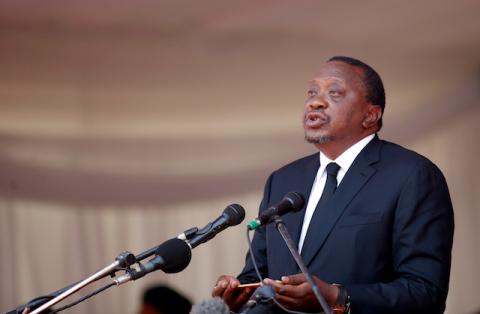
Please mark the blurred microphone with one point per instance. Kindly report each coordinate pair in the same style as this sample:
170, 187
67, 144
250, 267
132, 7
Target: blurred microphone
232, 215
262, 295
172, 256
212, 306
292, 202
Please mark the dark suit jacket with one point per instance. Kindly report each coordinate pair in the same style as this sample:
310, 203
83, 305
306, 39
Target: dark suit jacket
386, 234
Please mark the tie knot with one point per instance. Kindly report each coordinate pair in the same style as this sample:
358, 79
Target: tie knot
332, 169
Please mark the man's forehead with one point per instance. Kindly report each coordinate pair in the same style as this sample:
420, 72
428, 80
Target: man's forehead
329, 79
339, 71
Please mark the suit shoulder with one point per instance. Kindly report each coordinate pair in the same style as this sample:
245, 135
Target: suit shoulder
299, 163
401, 156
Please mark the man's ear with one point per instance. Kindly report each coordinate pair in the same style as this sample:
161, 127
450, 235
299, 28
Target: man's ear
372, 116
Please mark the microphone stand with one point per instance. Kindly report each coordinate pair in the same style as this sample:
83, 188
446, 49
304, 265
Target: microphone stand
280, 225
123, 260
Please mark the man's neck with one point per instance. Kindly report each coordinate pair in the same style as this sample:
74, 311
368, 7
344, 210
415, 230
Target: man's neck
335, 148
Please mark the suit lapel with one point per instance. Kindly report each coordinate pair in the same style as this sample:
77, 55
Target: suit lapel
308, 172
357, 175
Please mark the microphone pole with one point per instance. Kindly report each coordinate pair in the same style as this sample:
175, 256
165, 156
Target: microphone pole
125, 259
280, 225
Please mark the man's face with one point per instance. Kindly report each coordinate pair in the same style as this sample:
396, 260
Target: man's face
336, 104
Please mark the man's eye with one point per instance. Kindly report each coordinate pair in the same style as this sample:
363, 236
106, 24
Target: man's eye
334, 93
311, 93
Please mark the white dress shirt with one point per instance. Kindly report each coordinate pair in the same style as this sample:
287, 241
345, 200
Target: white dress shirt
345, 160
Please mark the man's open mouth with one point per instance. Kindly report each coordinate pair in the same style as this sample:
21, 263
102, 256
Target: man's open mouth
315, 119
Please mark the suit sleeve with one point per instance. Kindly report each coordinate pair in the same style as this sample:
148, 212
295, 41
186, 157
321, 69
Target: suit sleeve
422, 237
259, 247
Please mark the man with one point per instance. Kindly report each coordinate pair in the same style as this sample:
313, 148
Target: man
378, 220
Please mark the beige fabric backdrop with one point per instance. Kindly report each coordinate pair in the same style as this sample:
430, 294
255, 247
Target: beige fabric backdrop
123, 123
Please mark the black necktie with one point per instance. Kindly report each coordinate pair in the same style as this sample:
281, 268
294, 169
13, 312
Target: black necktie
330, 185
328, 191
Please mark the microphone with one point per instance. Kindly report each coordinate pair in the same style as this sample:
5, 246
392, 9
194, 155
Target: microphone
172, 256
175, 254
212, 306
232, 215
263, 294
292, 201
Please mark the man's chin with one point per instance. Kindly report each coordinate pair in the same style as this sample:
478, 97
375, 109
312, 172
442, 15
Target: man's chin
318, 139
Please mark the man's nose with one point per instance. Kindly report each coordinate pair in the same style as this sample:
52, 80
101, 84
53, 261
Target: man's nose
315, 103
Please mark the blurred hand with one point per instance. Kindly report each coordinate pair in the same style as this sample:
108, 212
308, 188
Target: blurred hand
295, 293
26, 310
227, 289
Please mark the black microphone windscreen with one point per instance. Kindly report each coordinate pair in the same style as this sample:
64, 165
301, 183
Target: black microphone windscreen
212, 306
291, 202
235, 214
297, 200
176, 255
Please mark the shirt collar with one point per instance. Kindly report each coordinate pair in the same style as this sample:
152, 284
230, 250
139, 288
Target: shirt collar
346, 159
